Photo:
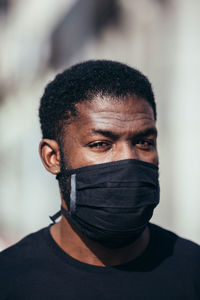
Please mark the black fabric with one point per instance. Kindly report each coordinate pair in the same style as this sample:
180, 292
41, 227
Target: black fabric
36, 268
112, 202
116, 184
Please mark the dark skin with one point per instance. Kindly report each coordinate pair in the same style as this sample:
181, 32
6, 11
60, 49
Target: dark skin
104, 130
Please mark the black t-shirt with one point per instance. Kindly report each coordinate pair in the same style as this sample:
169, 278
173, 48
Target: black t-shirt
37, 268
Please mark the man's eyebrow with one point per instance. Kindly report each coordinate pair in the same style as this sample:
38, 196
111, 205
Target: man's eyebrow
146, 132
113, 135
106, 133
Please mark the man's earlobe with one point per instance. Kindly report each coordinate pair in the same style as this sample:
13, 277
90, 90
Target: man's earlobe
50, 155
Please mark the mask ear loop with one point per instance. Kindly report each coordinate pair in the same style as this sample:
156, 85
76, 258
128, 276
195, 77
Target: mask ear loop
72, 199
55, 216
58, 214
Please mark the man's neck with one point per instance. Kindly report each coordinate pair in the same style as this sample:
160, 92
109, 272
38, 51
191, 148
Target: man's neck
90, 252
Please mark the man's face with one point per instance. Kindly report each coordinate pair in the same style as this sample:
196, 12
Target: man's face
105, 130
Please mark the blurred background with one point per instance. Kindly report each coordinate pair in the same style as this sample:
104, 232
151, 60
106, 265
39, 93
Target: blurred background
42, 37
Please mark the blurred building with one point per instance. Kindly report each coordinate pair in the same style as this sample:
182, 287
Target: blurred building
40, 38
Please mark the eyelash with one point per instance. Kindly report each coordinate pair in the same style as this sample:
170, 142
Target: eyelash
150, 142
96, 144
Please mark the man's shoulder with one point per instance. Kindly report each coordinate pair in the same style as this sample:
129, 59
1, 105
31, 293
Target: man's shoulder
166, 234
28, 247
23, 265
181, 249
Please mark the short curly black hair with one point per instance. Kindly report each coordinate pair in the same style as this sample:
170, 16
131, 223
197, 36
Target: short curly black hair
84, 81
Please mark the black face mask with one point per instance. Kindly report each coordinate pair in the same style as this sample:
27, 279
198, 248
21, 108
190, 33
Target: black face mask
111, 203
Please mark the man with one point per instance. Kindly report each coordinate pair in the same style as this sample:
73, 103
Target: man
98, 121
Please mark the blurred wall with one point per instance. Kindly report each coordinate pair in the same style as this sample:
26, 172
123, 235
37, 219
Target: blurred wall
40, 38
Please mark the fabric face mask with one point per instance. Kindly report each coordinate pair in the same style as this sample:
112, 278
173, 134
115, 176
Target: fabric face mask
111, 203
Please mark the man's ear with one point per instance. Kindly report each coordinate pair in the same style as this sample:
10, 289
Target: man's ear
50, 155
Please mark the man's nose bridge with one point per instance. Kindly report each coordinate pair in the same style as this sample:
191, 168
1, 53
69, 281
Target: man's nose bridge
127, 151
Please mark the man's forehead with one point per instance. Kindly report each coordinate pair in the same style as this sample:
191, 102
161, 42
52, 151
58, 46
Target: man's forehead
125, 107
117, 117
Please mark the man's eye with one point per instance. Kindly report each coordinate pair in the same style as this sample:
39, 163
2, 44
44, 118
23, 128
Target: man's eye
99, 145
145, 143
